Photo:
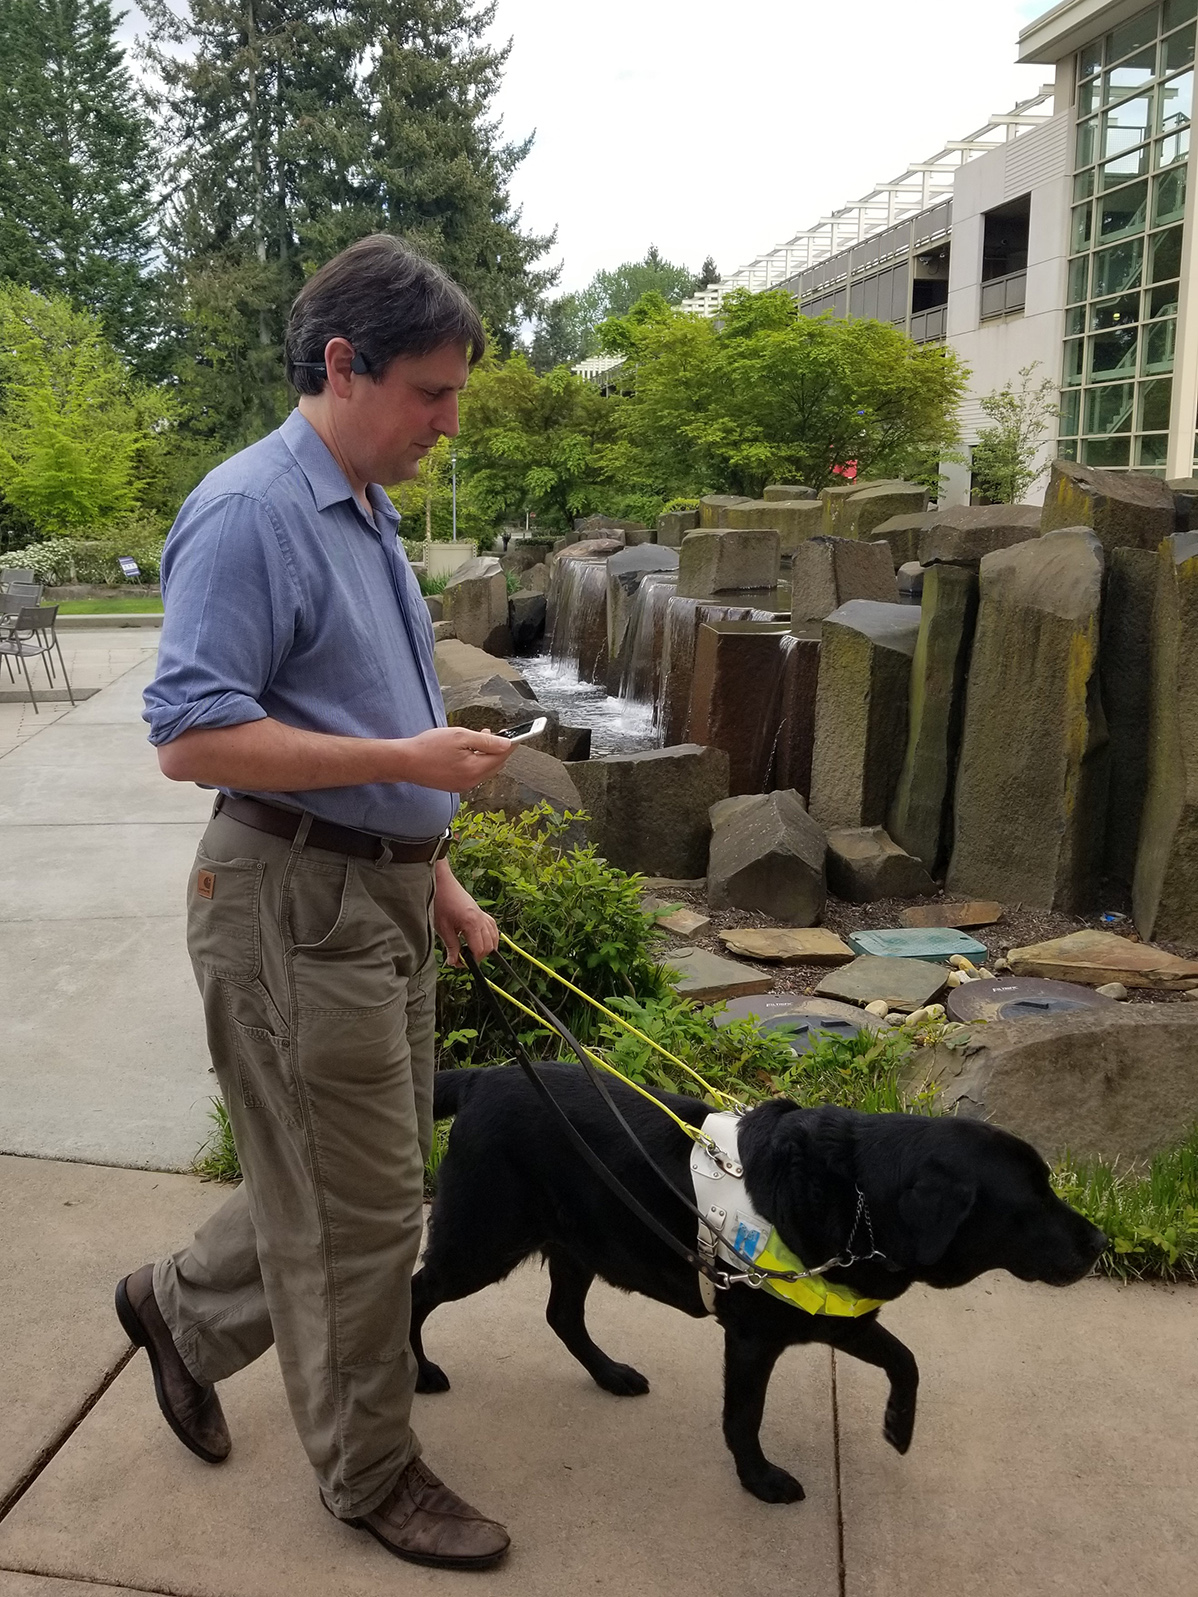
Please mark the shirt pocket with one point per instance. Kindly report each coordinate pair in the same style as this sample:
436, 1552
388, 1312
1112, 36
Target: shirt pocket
224, 933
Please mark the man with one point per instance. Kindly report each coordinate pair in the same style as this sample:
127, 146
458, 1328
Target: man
296, 676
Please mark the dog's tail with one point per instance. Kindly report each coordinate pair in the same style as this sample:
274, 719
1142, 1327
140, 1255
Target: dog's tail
451, 1088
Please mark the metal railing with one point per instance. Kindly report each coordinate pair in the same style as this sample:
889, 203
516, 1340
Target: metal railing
930, 326
1002, 295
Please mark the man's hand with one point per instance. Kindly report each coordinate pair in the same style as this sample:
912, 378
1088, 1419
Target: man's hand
452, 758
456, 915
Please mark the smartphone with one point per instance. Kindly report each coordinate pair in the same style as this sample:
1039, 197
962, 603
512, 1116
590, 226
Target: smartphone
525, 730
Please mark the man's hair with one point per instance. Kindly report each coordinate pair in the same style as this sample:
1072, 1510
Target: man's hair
386, 300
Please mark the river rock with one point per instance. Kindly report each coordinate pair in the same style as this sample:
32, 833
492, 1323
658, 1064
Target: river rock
921, 811
864, 865
1030, 808
526, 621
1165, 896
722, 562
475, 601
861, 711
827, 572
1125, 668
767, 854
673, 526
1124, 509
961, 535
713, 506
1095, 958
651, 811
1115, 1083
861, 512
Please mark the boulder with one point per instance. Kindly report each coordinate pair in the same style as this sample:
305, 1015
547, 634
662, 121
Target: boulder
767, 854
625, 573
1125, 673
494, 702
921, 810
535, 579
1095, 957
573, 743
787, 945
650, 811
861, 711
733, 659
1185, 502
526, 620
902, 533
787, 491
864, 865
524, 553
962, 534
910, 578
456, 662
606, 527
1124, 509
1029, 813
475, 600
443, 630
827, 572
434, 606
530, 777
861, 512
713, 506
673, 526
723, 562
1165, 894
1114, 1083
794, 520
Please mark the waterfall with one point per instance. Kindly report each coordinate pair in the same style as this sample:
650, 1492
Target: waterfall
641, 676
578, 604
684, 617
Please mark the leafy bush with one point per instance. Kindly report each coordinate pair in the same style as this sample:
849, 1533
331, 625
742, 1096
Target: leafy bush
574, 911
94, 560
1151, 1217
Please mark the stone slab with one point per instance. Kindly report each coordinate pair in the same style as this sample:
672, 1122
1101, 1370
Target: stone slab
635, 1496
972, 912
684, 923
1049, 1422
104, 1057
1096, 957
788, 945
908, 942
905, 984
67, 1232
705, 978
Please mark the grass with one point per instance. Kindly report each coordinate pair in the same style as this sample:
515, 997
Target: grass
150, 604
217, 1160
1150, 1216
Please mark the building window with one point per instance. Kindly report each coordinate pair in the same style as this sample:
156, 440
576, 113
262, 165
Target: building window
1134, 98
1004, 258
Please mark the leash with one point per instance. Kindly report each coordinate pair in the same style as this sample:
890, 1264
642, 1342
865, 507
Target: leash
753, 1273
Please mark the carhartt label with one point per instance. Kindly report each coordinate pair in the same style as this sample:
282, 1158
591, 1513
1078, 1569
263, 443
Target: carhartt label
206, 883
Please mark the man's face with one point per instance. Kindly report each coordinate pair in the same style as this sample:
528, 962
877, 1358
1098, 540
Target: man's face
390, 425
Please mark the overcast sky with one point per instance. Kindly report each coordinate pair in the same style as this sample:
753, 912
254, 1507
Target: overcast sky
720, 128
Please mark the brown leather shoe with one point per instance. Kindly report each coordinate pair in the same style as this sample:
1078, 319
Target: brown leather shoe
191, 1410
426, 1523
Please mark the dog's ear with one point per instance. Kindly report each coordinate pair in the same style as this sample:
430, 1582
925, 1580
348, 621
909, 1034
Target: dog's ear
932, 1211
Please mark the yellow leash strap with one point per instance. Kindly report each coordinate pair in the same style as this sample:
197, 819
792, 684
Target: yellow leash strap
692, 1132
712, 1092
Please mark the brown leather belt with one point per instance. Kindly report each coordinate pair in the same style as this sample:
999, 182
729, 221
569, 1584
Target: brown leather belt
279, 822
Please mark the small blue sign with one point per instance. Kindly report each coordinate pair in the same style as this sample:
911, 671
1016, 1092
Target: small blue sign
130, 567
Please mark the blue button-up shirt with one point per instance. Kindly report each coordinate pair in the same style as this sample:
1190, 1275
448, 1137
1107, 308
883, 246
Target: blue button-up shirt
283, 600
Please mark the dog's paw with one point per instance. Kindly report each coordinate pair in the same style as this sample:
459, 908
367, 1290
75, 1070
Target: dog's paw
898, 1427
431, 1378
774, 1485
622, 1380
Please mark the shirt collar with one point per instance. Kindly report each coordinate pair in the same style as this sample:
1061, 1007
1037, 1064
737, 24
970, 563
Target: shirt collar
326, 479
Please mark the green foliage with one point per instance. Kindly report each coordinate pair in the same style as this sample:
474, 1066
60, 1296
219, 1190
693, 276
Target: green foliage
764, 394
1151, 1217
76, 175
59, 561
217, 1160
1004, 457
574, 911
76, 429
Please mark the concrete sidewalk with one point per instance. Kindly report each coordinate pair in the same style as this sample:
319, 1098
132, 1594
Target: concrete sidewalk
104, 1057
1054, 1451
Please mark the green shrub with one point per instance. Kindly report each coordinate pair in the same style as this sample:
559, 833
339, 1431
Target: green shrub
429, 585
1151, 1217
59, 561
217, 1160
574, 911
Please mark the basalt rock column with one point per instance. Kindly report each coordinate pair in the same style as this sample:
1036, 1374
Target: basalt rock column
1124, 509
1030, 805
1125, 664
735, 664
827, 572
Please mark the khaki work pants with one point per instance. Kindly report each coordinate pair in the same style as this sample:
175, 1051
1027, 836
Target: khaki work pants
317, 976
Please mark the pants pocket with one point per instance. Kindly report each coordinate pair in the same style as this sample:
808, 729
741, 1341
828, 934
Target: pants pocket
223, 917
261, 1056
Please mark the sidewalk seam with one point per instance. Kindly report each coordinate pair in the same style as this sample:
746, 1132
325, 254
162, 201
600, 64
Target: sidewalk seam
62, 1437
92, 1580
841, 1585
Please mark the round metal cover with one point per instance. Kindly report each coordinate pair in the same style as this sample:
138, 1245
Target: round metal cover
1020, 998
801, 1018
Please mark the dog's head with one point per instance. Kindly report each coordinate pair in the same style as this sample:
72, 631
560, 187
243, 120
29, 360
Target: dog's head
948, 1199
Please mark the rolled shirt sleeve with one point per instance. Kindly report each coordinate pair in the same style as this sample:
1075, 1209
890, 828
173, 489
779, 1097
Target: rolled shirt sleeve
232, 608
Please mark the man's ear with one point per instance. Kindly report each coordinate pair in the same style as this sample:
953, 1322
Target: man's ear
932, 1211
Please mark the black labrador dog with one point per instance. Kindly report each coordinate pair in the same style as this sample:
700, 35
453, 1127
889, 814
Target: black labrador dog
948, 1199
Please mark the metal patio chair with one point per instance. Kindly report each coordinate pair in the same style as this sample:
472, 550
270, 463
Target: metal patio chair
35, 634
15, 574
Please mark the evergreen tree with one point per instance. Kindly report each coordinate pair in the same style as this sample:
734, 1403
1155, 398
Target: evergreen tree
709, 273
76, 167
